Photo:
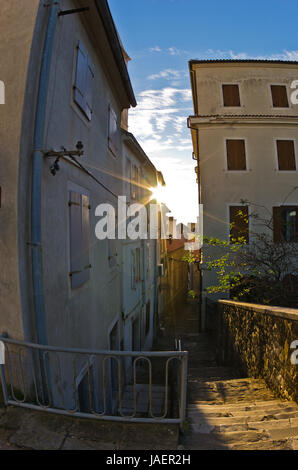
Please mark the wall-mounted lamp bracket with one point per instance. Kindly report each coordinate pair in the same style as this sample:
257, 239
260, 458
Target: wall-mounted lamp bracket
63, 153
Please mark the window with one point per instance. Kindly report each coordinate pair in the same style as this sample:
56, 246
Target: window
286, 155
239, 223
285, 224
279, 96
113, 132
128, 178
135, 182
231, 96
135, 267
148, 318
236, 155
79, 214
113, 247
84, 82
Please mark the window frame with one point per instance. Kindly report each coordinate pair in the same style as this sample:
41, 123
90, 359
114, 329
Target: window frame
222, 96
237, 204
73, 188
276, 139
271, 96
246, 154
114, 149
81, 107
278, 237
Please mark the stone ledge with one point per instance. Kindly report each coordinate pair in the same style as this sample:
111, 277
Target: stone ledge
282, 312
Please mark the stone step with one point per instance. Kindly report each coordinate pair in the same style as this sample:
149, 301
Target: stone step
261, 415
283, 444
208, 442
242, 406
226, 425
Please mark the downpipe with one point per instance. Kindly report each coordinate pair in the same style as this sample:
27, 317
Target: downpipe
37, 165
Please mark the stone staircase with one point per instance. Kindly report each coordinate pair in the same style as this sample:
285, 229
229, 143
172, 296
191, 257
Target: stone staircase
239, 414
229, 412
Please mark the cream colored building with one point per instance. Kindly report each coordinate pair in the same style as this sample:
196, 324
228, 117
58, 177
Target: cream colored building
244, 131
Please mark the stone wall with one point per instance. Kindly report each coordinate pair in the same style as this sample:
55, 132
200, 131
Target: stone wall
256, 339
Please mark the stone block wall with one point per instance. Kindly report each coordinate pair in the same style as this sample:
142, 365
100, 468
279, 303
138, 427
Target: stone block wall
256, 339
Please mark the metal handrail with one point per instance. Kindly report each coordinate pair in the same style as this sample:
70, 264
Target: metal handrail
41, 366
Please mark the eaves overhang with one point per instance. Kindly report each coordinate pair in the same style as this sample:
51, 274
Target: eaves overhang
113, 38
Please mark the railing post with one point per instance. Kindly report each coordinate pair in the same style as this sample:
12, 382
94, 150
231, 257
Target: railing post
4, 385
183, 391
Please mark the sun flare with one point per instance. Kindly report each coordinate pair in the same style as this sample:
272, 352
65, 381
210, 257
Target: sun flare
158, 193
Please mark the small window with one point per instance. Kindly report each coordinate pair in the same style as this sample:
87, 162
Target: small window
113, 132
236, 155
148, 318
239, 224
135, 182
286, 155
113, 247
128, 177
285, 224
231, 96
279, 96
79, 214
84, 82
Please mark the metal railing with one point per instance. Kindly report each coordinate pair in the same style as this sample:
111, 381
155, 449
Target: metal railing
128, 386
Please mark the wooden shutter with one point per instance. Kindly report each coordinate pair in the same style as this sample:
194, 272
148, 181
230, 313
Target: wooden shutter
240, 222
279, 96
236, 155
75, 229
286, 155
84, 82
79, 239
277, 225
113, 132
231, 96
89, 87
85, 238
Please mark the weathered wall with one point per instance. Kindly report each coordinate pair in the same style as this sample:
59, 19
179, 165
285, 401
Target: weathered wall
17, 26
256, 339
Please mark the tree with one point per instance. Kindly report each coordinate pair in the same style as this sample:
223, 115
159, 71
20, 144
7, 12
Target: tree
261, 271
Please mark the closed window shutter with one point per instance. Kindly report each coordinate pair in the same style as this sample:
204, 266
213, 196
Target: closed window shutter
279, 96
89, 86
113, 131
85, 237
128, 177
240, 223
236, 155
231, 95
277, 225
84, 82
133, 269
75, 239
286, 155
79, 239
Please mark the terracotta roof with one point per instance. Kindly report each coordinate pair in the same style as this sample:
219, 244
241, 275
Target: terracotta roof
175, 244
244, 61
244, 115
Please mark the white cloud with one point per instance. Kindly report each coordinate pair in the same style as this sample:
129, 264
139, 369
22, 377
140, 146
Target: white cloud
168, 74
155, 49
159, 120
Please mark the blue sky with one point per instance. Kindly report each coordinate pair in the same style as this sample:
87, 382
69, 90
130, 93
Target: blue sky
161, 36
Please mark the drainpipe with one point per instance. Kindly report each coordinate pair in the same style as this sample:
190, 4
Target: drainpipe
37, 163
